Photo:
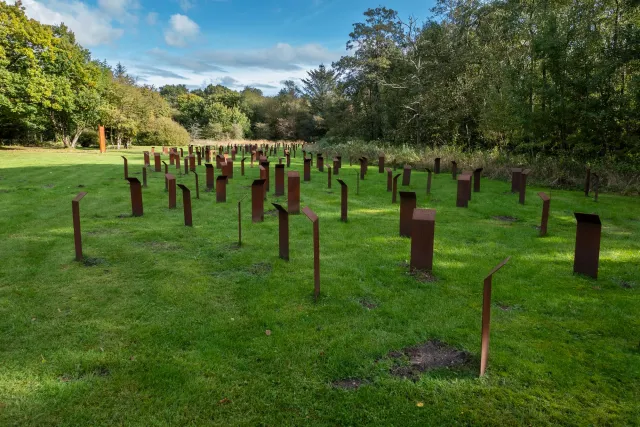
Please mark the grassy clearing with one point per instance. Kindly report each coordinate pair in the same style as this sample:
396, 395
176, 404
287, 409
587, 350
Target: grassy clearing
167, 323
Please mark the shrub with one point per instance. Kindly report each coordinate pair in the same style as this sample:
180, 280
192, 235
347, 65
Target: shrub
89, 138
163, 131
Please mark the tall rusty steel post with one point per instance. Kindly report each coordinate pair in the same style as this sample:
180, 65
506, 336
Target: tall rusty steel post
77, 235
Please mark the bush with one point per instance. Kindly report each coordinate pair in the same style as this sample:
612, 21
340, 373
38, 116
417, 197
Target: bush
163, 131
89, 138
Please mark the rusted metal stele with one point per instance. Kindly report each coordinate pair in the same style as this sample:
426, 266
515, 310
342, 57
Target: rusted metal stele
523, 185
436, 166
587, 253
77, 235
209, 176
242, 166
126, 167
147, 161
144, 177
546, 202
283, 231
389, 179
279, 180
307, 170
316, 250
186, 165
428, 181
157, 162
477, 174
344, 201
192, 162
257, 200
221, 189
336, 168
408, 202
171, 187
136, 196
265, 163
516, 173
423, 224
454, 170
197, 185
320, 160
186, 203
166, 171
406, 177
486, 317
362, 168
381, 164
329, 177
199, 155
293, 192
229, 168
395, 188
464, 186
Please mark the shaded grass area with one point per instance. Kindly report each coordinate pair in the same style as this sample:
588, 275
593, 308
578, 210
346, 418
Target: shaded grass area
166, 324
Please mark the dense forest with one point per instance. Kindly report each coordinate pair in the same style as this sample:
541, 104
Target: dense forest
556, 77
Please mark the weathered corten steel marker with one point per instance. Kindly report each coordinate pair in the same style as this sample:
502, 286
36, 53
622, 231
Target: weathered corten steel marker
229, 169
316, 250
144, 177
344, 201
263, 176
307, 170
136, 196
293, 191
242, 166
197, 185
147, 162
587, 254
470, 175
486, 317
320, 160
221, 189
181, 152
172, 157
406, 177
279, 180
454, 170
199, 154
389, 179
192, 162
395, 188
408, 203
329, 177
428, 181
546, 201
265, 164
381, 164
166, 171
288, 156
171, 184
436, 166
210, 175
423, 225
336, 166
283, 232
126, 167
257, 200
476, 179
516, 173
464, 189
587, 182
523, 185
186, 165
103, 139
363, 170
77, 235
177, 159
186, 202
156, 160
190, 147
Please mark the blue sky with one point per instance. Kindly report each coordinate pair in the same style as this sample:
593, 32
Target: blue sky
231, 42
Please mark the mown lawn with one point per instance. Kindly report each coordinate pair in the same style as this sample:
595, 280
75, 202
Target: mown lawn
167, 325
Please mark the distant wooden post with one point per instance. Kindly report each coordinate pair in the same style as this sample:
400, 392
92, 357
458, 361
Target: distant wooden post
144, 177
210, 176
381, 164
486, 317
454, 170
77, 235
197, 185
329, 177
516, 173
307, 170
436, 166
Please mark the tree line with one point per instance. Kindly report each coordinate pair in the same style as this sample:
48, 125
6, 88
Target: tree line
538, 76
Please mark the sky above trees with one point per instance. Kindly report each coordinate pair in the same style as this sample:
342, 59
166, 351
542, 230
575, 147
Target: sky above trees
235, 43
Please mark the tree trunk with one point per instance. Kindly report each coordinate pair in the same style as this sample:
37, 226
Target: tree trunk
76, 137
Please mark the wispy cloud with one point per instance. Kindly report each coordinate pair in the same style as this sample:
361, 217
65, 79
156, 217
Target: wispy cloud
181, 30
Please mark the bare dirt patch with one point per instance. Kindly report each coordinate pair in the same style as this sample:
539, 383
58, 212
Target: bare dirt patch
410, 362
348, 383
505, 218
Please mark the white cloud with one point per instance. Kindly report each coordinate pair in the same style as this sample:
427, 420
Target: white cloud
181, 29
152, 18
185, 5
88, 23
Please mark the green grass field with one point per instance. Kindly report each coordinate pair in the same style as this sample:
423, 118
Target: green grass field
166, 325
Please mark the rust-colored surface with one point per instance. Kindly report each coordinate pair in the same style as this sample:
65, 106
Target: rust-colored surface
147, 162
283, 231
103, 139
199, 154
389, 179
177, 160
546, 202
406, 176
209, 176
221, 189
363, 167
381, 164
394, 194
77, 234
166, 171
523, 185
336, 167
428, 181
320, 162
257, 200
171, 183
454, 170
144, 177
242, 166
307, 170
516, 173
190, 149
229, 168
157, 162
470, 175
186, 165
464, 189
172, 158
288, 155
436, 165
126, 167
344, 201
197, 185
486, 317
339, 161
587, 254
587, 183
329, 177
316, 250
265, 164
186, 203
477, 174
181, 152
293, 192
279, 180
136, 196
408, 202
423, 225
